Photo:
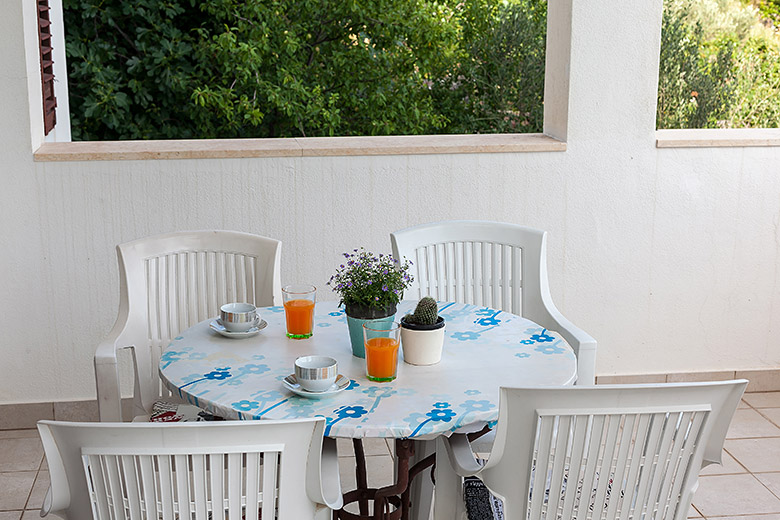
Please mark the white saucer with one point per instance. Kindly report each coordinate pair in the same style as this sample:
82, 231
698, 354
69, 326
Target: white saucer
216, 326
291, 384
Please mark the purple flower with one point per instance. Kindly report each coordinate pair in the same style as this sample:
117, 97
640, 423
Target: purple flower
384, 288
369, 282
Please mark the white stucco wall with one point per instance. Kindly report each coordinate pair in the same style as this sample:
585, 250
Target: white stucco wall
667, 257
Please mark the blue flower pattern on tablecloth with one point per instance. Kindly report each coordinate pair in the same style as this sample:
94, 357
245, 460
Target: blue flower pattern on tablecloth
378, 393
345, 412
465, 335
237, 383
550, 349
249, 369
170, 356
543, 337
479, 406
245, 405
217, 374
440, 412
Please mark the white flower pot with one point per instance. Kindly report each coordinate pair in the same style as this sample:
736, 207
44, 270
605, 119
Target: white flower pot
422, 347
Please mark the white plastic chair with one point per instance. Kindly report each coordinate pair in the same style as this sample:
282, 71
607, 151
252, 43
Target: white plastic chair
168, 283
608, 452
198, 471
495, 264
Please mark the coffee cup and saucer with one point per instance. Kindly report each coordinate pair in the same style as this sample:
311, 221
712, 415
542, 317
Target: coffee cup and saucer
315, 377
238, 320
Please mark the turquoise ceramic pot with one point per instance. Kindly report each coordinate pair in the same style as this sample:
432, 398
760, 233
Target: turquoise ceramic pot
355, 324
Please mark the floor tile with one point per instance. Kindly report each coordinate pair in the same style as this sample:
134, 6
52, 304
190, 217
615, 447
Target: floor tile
36, 515
730, 466
763, 399
752, 453
76, 411
767, 380
10, 515
770, 480
379, 471
773, 414
724, 495
691, 377
39, 490
750, 423
371, 447
742, 405
692, 513
15, 488
17, 416
19, 434
20, 454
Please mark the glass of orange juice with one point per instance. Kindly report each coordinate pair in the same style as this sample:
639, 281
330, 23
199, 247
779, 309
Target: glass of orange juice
381, 339
299, 310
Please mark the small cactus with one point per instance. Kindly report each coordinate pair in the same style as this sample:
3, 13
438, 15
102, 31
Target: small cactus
426, 313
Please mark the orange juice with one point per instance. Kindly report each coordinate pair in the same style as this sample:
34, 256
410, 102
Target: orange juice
381, 358
300, 318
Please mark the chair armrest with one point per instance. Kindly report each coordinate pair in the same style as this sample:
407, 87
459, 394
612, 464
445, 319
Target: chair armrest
458, 450
323, 485
107, 384
58, 496
583, 344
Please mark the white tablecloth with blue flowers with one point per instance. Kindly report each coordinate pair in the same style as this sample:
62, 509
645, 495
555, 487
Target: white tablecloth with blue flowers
483, 350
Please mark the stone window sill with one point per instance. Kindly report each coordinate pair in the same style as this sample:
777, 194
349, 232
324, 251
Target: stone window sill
296, 147
715, 137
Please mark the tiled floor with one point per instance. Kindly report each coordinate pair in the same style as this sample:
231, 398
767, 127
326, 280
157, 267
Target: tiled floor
745, 487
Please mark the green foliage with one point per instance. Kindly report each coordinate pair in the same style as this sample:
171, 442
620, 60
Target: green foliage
426, 312
281, 68
497, 83
719, 66
129, 68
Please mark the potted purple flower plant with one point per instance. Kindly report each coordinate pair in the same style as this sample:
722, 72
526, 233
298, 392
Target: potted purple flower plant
370, 287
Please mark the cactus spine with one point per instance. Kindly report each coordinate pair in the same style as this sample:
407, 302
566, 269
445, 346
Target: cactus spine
426, 312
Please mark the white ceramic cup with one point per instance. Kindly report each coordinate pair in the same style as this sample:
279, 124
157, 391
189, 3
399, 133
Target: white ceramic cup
238, 317
316, 373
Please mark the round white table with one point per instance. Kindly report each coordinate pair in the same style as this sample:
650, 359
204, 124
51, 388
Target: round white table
483, 350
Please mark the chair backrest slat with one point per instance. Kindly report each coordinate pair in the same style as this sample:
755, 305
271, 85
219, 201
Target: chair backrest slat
270, 475
217, 485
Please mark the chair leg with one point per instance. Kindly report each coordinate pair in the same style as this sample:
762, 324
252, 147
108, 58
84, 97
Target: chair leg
449, 489
421, 488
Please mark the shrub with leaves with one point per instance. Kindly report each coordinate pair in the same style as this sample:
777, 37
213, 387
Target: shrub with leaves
719, 66
286, 68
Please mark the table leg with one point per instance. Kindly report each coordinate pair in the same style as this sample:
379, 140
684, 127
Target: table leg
360, 475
